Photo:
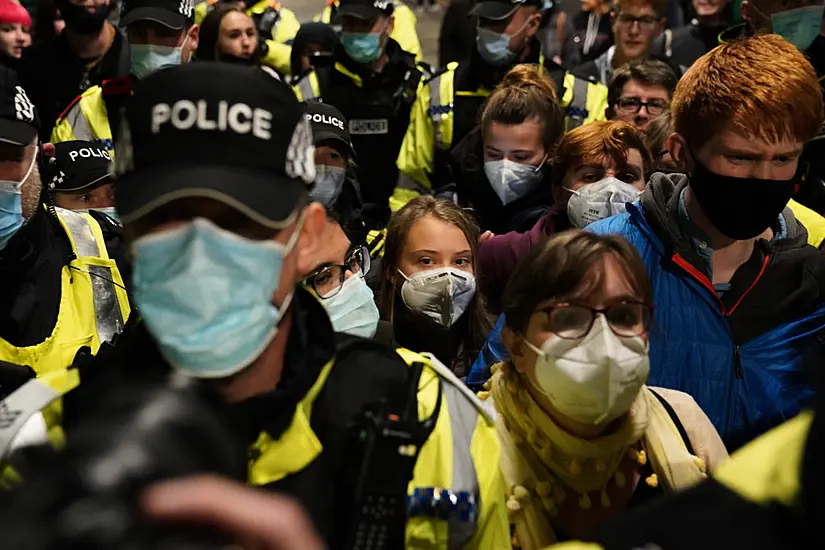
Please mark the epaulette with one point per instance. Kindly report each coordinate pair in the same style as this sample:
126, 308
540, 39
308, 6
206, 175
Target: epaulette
450, 67
117, 86
69, 107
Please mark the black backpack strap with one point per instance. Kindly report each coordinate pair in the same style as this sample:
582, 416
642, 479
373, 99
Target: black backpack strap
675, 418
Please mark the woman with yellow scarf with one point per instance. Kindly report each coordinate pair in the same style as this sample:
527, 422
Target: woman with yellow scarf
582, 437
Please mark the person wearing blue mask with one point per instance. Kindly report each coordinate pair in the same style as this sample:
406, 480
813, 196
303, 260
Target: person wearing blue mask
62, 273
373, 83
79, 178
447, 109
335, 185
161, 34
213, 178
338, 281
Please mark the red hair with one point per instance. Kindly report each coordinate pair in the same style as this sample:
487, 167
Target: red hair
762, 87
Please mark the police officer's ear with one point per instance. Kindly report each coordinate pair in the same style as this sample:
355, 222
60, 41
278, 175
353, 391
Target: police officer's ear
390, 25
309, 241
533, 23
679, 150
746, 10
191, 44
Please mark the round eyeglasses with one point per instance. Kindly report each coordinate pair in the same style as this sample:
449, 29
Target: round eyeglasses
327, 280
574, 321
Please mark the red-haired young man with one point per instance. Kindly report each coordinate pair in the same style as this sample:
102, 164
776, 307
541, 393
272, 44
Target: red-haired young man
738, 292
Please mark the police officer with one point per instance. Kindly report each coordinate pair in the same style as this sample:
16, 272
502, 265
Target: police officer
213, 185
161, 33
60, 288
79, 178
403, 32
335, 184
447, 109
374, 84
276, 25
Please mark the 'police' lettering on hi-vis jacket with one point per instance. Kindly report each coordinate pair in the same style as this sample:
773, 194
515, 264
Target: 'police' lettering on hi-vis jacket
368, 127
239, 118
88, 153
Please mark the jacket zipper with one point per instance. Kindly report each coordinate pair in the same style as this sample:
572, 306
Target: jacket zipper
737, 366
705, 282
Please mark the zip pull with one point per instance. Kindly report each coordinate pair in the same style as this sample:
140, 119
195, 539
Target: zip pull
737, 365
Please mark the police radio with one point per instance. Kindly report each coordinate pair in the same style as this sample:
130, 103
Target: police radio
382, 449
266, 22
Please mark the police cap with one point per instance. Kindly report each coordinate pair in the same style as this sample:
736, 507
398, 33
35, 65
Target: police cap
18, 117
365, 9
78, 165
328, 124
222, 131
496, 10
175, 14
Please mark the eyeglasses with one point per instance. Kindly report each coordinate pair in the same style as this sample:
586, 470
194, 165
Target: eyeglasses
327, 280
573, 321
647, 22
633, 105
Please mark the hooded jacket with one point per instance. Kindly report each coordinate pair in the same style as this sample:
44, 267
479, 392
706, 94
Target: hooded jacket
744, 356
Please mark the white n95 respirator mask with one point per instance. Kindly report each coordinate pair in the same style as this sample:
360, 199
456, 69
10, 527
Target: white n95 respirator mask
599, 200
442, 294
594, 379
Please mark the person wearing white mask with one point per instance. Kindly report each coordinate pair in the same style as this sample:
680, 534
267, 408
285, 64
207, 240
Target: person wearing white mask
428, 286
502, 169
583, 438
338, 282
161, 34
596, 170
78, 178
336, 185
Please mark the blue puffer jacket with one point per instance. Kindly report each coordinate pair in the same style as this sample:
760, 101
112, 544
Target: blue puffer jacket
745, 364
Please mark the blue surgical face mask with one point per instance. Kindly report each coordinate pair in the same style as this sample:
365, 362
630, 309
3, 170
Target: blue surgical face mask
362, 47
109, 211
353, 310
11, 207
206, 296
329, 180
494, 47
149, 58
799, 26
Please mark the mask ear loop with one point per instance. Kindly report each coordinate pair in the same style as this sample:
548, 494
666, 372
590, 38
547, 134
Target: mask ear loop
290, 245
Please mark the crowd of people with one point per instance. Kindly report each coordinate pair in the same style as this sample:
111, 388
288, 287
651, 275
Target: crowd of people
532, 295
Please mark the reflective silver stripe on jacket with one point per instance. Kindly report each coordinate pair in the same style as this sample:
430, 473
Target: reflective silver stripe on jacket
79, 123
16, 412
577, 108
108, 318
306, 89
463, 419
438, 111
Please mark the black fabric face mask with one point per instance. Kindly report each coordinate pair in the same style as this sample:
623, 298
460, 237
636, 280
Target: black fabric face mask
81, 20
740, 208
